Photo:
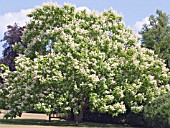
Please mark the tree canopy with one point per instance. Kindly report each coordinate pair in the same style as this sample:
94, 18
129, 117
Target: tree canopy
156, 35
76, 60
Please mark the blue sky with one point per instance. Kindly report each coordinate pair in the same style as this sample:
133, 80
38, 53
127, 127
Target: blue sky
135, 12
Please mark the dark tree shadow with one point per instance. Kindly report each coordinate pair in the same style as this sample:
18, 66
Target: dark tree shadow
41, 122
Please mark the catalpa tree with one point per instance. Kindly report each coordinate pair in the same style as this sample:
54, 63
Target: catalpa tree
78, 60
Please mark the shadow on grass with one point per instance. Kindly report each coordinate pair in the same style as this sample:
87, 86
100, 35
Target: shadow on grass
55, 123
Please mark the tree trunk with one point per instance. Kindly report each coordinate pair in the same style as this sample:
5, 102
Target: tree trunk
71, 115
79, 118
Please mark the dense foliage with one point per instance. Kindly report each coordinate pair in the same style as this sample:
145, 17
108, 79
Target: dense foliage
157, 113
156, 35
2, 70
76, 60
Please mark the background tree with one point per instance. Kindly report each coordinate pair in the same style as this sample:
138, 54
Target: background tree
156, 35
11, 37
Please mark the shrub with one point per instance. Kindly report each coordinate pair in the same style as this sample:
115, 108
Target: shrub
157, 113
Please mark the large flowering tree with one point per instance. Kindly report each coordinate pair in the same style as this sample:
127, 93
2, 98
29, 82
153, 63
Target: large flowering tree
76, 60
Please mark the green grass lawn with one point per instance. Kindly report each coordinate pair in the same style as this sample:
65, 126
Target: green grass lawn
32, 120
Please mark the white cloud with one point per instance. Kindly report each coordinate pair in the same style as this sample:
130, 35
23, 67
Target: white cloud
13, 17
139, 24
82, 8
